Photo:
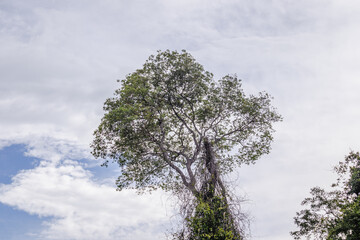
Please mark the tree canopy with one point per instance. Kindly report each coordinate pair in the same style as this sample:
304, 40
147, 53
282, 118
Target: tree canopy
333, 215
171, 125
159, 119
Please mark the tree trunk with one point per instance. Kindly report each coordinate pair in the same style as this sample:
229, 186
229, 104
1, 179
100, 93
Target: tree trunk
212, 217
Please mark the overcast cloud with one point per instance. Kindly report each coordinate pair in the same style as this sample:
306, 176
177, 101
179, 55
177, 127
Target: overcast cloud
59, 61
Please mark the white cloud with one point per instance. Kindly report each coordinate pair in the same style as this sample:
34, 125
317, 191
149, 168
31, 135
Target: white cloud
79, 207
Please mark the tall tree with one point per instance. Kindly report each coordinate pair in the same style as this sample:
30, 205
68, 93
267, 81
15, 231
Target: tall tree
172, 126
333, 215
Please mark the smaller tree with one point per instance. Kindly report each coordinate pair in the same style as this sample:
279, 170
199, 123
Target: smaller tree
333, 215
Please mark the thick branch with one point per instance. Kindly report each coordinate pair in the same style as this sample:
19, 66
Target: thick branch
190, 185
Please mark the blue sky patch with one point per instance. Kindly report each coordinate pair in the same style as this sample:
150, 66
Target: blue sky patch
18, 225
12, 160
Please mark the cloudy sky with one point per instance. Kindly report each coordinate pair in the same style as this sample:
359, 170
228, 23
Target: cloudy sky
59, 61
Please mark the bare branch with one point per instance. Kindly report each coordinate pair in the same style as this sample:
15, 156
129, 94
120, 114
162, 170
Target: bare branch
185, 124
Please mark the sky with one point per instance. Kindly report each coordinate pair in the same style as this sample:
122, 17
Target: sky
59, 61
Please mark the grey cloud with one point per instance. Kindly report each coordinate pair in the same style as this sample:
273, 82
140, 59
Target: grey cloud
60, 60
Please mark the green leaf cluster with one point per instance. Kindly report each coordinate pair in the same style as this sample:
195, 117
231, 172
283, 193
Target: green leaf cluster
212, 221
333, 215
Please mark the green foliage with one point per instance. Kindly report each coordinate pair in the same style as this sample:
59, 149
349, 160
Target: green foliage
212, 220
354, 182
334, 215
347, 225
155, 125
